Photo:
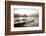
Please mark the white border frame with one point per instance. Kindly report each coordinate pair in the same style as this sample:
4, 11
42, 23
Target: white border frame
26, 28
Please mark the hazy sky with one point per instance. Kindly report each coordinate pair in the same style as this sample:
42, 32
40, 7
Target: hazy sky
25, 11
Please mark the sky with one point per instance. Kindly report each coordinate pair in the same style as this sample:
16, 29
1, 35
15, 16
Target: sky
25, 9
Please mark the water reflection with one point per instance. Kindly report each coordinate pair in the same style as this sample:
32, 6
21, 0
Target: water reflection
26, 21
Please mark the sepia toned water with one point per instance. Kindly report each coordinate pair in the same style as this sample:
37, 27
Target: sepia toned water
35, 23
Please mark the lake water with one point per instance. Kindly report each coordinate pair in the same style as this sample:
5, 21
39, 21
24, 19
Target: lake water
31, 24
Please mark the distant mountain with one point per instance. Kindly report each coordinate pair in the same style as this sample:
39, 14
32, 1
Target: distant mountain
25, 15
20, 15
